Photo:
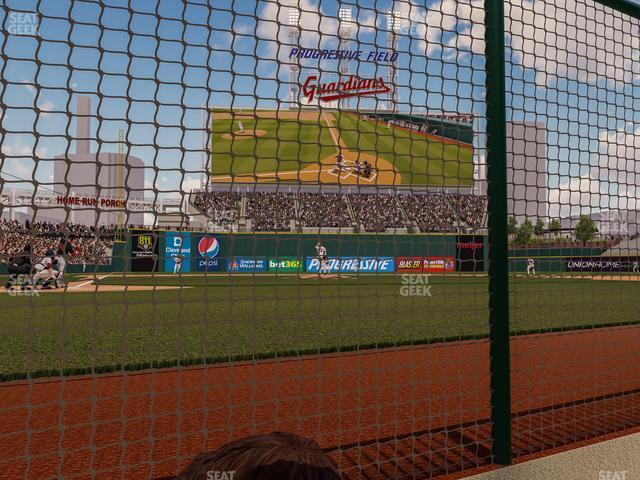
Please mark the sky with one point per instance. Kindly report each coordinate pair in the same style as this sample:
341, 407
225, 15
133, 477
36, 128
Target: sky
152, 70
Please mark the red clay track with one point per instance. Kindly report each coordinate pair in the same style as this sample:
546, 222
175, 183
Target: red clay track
407, 412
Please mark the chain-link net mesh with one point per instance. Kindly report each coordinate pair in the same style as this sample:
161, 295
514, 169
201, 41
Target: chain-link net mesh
225, 219
572, 86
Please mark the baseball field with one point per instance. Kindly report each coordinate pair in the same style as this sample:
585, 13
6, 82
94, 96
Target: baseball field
384, 382
291, 146
137, 320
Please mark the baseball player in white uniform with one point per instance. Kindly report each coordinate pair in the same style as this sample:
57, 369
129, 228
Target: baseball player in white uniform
531, 267
45, 274
323, 259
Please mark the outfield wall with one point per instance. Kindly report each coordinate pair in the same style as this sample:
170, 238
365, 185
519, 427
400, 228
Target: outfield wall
288, 247
258, 252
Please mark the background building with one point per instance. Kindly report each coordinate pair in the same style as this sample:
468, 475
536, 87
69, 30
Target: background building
112, 179
527, 190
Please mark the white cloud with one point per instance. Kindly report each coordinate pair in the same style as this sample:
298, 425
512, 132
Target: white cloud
29, 87
44, 107
573, 40
610, 183
574, 196
316, 28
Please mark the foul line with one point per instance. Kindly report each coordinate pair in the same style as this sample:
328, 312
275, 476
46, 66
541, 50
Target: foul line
330, 125
91, 281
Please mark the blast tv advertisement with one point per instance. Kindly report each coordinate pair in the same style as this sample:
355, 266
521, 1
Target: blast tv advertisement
353, 264
206, 257
409, 264
144, 251
470, 253
177, 252
425, 264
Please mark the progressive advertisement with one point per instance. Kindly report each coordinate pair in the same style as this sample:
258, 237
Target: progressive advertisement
353, 264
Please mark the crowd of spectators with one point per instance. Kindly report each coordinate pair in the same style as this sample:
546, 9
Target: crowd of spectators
94, 246
376, 212
271, 212
431, 212
323, 210
439, 212
468, 208
220, 206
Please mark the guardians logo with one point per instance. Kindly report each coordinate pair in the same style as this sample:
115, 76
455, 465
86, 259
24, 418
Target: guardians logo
353, 87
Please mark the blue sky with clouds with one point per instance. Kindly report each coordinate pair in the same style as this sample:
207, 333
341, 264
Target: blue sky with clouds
150, 70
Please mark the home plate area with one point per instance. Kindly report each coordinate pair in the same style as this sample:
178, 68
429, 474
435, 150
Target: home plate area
348, 169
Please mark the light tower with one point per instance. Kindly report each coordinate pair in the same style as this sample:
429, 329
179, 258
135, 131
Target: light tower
294, 65
344, 34
393, 27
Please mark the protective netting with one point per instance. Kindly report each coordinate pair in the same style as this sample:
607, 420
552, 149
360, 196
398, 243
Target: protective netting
572, 83
224, 219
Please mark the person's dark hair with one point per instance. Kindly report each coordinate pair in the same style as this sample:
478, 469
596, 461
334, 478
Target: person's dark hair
275, 456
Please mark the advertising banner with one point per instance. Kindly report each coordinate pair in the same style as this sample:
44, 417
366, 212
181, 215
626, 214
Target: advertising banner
247, 264
470, 253
206, 257
603, 264
144, 251
353, 264
425, 264
177, 252
286, 264
438, 264
409, 264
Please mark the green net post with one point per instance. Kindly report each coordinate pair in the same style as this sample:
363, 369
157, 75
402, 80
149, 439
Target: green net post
498, 240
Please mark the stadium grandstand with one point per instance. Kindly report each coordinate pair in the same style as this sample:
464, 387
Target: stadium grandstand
395, 211
94, 246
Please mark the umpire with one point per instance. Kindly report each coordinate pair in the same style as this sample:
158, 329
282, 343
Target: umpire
19, 264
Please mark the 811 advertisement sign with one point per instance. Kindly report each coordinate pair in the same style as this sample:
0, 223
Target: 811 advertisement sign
207, 254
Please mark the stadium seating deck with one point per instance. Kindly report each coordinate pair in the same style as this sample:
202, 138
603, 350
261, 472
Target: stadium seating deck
276, 211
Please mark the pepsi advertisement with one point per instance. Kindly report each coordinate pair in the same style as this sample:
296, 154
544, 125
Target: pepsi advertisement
354, 264
247, 264
177, 252
206, 257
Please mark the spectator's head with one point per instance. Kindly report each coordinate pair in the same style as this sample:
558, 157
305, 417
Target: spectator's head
275, 456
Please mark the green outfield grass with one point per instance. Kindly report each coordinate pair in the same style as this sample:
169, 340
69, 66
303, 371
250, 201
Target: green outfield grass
291, 145
220, 317
419, 159
287, 145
